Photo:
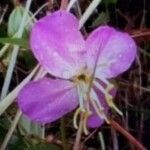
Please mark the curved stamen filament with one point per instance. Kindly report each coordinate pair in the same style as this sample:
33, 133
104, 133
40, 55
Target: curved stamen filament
90, 98
99, 105
108, 84
83, 107
111, 103
98, 85
108, 96
75, 118
100, 113
95, 97
86, 116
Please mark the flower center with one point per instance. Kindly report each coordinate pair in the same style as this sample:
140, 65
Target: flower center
89, 101
82, 77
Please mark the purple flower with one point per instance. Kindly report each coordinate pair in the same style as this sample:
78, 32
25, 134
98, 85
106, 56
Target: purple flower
81, 67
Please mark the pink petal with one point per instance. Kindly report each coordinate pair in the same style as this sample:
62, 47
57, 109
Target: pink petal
47, 100
116, 51
57, 44
94, 120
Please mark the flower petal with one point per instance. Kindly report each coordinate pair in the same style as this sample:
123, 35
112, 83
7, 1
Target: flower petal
94, 120
58, 44
116, 51
47, 100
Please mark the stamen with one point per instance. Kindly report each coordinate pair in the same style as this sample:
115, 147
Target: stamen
95, 97
86, 116
100, 113
84, 89
81, 99
75, 117
101, 88
109, 85
87, 104
99, 105
108, 97
112, 105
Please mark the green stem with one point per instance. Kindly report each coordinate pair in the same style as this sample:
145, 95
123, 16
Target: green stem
15, 52
63, 133
107, 9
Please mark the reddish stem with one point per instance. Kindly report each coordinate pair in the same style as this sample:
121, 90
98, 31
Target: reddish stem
64, 4
141, 34
137, 144
50, 4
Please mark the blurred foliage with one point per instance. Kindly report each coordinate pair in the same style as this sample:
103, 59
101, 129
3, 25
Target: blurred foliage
28, 58
102, 19
3, 30
15, 41
44, 146
18, 143
15, 20
110, 1
4, 126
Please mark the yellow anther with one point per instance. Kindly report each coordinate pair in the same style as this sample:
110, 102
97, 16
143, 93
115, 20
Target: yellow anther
108, 98
109, 87
112, 104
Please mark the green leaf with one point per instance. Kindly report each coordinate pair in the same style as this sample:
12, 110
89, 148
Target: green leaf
102, 18
27, 125
15, 19
16, 41
44, 146
3, 30
29, 59
17, 143
4, 126
110, 1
